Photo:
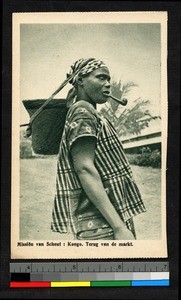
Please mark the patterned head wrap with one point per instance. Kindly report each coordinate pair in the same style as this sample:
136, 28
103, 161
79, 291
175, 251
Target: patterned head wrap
83, 67
80, 67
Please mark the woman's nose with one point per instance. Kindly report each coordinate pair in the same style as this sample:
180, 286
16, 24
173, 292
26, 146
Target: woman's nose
107, 84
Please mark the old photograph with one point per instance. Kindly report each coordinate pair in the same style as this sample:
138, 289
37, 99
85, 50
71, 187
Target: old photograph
89, 135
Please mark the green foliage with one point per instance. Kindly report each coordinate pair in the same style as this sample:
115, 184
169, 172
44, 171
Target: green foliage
127, 123
25, 147
120, 91
129, 118
155, 159
146, 159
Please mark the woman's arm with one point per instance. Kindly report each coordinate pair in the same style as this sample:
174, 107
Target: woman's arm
82, 153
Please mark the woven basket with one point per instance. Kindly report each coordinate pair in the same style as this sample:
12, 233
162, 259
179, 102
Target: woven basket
47, 128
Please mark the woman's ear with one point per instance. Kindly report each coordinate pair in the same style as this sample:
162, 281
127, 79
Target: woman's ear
79, 80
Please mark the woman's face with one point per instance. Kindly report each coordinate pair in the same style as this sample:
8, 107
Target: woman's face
97, 86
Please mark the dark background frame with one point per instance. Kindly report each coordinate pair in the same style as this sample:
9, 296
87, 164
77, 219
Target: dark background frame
174, 17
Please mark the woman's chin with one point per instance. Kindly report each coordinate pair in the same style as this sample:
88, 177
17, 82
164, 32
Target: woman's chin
102, 100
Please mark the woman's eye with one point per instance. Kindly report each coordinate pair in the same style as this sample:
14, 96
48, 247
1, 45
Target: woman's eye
103, 78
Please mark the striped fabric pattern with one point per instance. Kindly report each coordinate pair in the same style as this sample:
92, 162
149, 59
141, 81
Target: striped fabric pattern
111, 162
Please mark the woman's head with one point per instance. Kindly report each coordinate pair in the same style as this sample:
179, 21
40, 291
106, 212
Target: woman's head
92, 81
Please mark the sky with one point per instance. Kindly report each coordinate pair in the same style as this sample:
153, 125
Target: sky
132, 52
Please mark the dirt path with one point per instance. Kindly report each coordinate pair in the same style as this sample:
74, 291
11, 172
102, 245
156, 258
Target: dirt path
37, 188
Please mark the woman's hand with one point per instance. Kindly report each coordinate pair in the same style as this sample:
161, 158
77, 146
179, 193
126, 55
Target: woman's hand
123, 233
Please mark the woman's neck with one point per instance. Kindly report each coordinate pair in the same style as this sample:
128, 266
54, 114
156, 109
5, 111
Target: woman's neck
82, 95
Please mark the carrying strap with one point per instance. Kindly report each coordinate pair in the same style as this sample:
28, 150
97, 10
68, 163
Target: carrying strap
40, 109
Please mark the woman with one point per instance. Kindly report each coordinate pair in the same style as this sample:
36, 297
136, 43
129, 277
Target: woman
96, 196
